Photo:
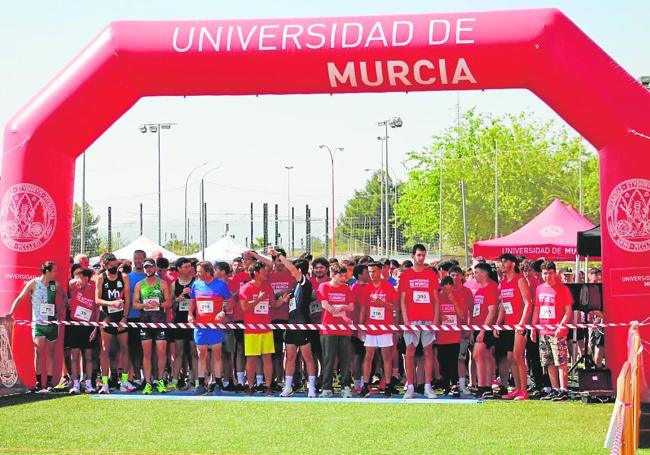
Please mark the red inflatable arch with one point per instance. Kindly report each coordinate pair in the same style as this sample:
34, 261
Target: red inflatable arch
539, 50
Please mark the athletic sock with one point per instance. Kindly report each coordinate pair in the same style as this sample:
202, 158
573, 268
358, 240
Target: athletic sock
89, 383
259, 378
49, 380
240, 377
75, 382
410, 387
427, 387
288, 383
125, 377
312, 382
39, 381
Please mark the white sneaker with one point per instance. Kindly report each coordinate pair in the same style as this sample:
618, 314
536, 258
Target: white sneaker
89, 387
430, 394
75, 389
104, 390
327, 394
409, 394
465, 392
346, 392
286, 392
311, 393
126, 386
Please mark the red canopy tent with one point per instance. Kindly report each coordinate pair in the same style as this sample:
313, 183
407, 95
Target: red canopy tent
552, 234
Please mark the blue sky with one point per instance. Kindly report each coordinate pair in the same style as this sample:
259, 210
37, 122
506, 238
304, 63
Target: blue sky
253, 139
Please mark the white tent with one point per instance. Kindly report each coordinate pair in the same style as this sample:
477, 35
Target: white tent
141, 243
224, 249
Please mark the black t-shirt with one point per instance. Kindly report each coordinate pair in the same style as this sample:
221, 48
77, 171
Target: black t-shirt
112, 290
182, 308
299, 301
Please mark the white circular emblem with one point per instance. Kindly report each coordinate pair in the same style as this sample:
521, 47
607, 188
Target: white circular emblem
8, 373
27, 217
628, 215
552, 230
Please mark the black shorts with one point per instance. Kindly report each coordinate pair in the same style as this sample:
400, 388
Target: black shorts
77, 337
488, 338
298, 337
581, 334
180, 334
357, 346
153, 334
239, 333
505, 343
113, 317
278, 334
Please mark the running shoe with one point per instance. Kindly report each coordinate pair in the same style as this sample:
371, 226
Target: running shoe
392, 390
419, 388
148, 389
89, 387
430, 394
230, 388
466, 392
365, 391
36, 388
409, 394
217, 392
200, 390
172, 387
239, 388
561, 396
511, 396
311, 393
327, 394
75, 389
550, 396
522, 396
346, 392
286, 392
268, 391
104, 390
127, 387
161, 387
454, 392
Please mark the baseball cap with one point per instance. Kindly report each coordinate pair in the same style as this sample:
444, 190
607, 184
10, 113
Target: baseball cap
149, 262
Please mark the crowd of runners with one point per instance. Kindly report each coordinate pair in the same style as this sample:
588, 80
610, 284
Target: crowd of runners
270, 288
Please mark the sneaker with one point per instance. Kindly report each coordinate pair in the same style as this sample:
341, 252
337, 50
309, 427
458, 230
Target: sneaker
501, 391
523, 396
466, 392
201, 389
562, 396
511, 396
454, 392
75, 389
489, 395
36, 388
161, 387
104, 390
392, 390
47, 389
239, 388
409, 394
346, 392
430, 394
127, 387
63, 384
171, 387
419, 388
365, 392
89, 387
230, 388
286, 392
268, 391
148, 389
275, 387
550, 396
327, 394
185, 387
217, 391
311, 393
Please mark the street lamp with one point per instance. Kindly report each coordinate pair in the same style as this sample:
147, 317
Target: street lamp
203, 215
155, 128
186, 240
288, 168
332, 154
395, 122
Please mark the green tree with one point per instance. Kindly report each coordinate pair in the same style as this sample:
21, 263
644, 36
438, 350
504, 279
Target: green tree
177, 246
92, 238
536, 163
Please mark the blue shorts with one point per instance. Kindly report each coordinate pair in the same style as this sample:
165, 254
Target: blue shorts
208, 337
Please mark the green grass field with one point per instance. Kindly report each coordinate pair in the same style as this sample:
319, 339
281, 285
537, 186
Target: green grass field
82, 425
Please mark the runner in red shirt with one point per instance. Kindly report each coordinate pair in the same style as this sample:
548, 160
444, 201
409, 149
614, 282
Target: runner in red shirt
239, 277
362, 278
378, 300
338, 304
532, 273
418, 288
515, 309
465, 296
452, 311
553, 305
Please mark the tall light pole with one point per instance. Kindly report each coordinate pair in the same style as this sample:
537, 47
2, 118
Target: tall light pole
288, 168
82, 247
155, 128
202, 215
186, 240
382, 184
395, 122
332, 154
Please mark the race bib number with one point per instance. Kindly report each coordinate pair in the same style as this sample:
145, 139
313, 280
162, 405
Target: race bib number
449, 319
292, 304
184, 305
152, 301
477, 310
377, 313
507, 307
82, 314
315, 307
262, 307
421, 297
47, 309
547, 312
205, 306
114, 309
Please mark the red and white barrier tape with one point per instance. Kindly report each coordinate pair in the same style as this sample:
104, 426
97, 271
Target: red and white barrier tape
365, 327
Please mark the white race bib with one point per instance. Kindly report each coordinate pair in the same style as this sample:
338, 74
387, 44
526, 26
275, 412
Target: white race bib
262, 307
149, 301
377, 313
184, 305
421, 297
82, 313
449, 319
113, 309
477, 310
547, 312
292, 304
47, 309
205, 306
507, 307
315, 307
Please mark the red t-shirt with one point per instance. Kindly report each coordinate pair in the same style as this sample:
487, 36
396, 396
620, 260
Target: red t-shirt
376, 315
207, 308
82, 304
235, 308
483, 298
511, 300
420, 288
281, 282
336, 296
448, 316
260, 313
550, 304
466, 298
356, 289
234, 284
